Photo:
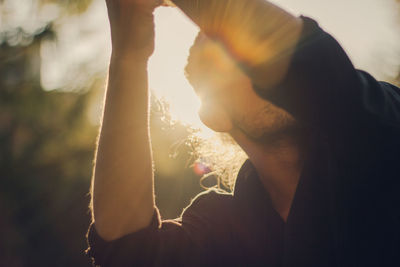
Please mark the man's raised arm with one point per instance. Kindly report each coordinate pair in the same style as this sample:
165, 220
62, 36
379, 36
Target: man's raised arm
122, 186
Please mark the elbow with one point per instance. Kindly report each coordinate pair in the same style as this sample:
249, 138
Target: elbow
114, 223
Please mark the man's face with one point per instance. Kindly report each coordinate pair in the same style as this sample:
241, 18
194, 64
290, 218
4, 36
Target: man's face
223, 86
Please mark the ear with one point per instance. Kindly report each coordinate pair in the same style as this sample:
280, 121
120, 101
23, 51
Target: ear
215, 117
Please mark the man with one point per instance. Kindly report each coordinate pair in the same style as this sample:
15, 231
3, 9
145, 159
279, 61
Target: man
321, 186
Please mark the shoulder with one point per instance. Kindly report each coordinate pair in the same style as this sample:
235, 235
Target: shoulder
209, 208
212, 196
209, 218
209, 200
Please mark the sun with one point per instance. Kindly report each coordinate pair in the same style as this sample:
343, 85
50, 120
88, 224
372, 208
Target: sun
174, 35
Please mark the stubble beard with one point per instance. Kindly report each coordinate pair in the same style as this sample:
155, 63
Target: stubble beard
269, 126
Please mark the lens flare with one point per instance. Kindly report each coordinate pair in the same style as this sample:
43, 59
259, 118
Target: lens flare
200, 169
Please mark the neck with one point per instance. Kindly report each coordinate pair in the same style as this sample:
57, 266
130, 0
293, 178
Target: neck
278, 165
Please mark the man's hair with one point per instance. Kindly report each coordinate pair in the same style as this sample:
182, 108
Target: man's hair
222, 156
219, 153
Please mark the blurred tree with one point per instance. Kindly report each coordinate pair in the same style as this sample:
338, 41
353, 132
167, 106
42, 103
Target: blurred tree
45, 158
46, 148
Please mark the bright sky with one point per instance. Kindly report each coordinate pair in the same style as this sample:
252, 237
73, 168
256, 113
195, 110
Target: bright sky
174, 36
367, 29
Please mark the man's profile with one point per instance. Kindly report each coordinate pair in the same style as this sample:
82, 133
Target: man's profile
321, 183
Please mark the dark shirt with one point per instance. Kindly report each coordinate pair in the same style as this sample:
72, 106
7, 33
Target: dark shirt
346, 209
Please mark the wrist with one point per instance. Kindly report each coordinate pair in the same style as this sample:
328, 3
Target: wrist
137, 51
129, 60
132, 34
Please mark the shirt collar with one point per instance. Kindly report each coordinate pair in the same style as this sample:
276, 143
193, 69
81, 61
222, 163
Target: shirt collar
249, 189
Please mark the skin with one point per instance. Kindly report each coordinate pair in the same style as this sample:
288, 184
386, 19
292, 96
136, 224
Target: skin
267, 134
122, 186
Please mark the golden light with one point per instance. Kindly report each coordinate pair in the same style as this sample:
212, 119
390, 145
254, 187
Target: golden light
174, 36
84, 40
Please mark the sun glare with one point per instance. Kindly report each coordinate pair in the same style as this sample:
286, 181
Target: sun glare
174, 36
83, 41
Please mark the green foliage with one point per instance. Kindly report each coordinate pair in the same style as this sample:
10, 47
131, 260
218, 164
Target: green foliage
46, 149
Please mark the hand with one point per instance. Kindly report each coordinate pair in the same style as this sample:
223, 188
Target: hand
132, 26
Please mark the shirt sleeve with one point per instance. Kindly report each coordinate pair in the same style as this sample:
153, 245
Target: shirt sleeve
323, 90
180, 242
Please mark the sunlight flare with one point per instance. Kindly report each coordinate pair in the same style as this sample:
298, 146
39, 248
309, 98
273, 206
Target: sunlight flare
174, 36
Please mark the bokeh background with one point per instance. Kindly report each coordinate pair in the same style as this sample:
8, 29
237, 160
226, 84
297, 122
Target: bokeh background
53, 66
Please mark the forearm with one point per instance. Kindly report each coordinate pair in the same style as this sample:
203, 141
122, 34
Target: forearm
255, 32
122, 187
122, 193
